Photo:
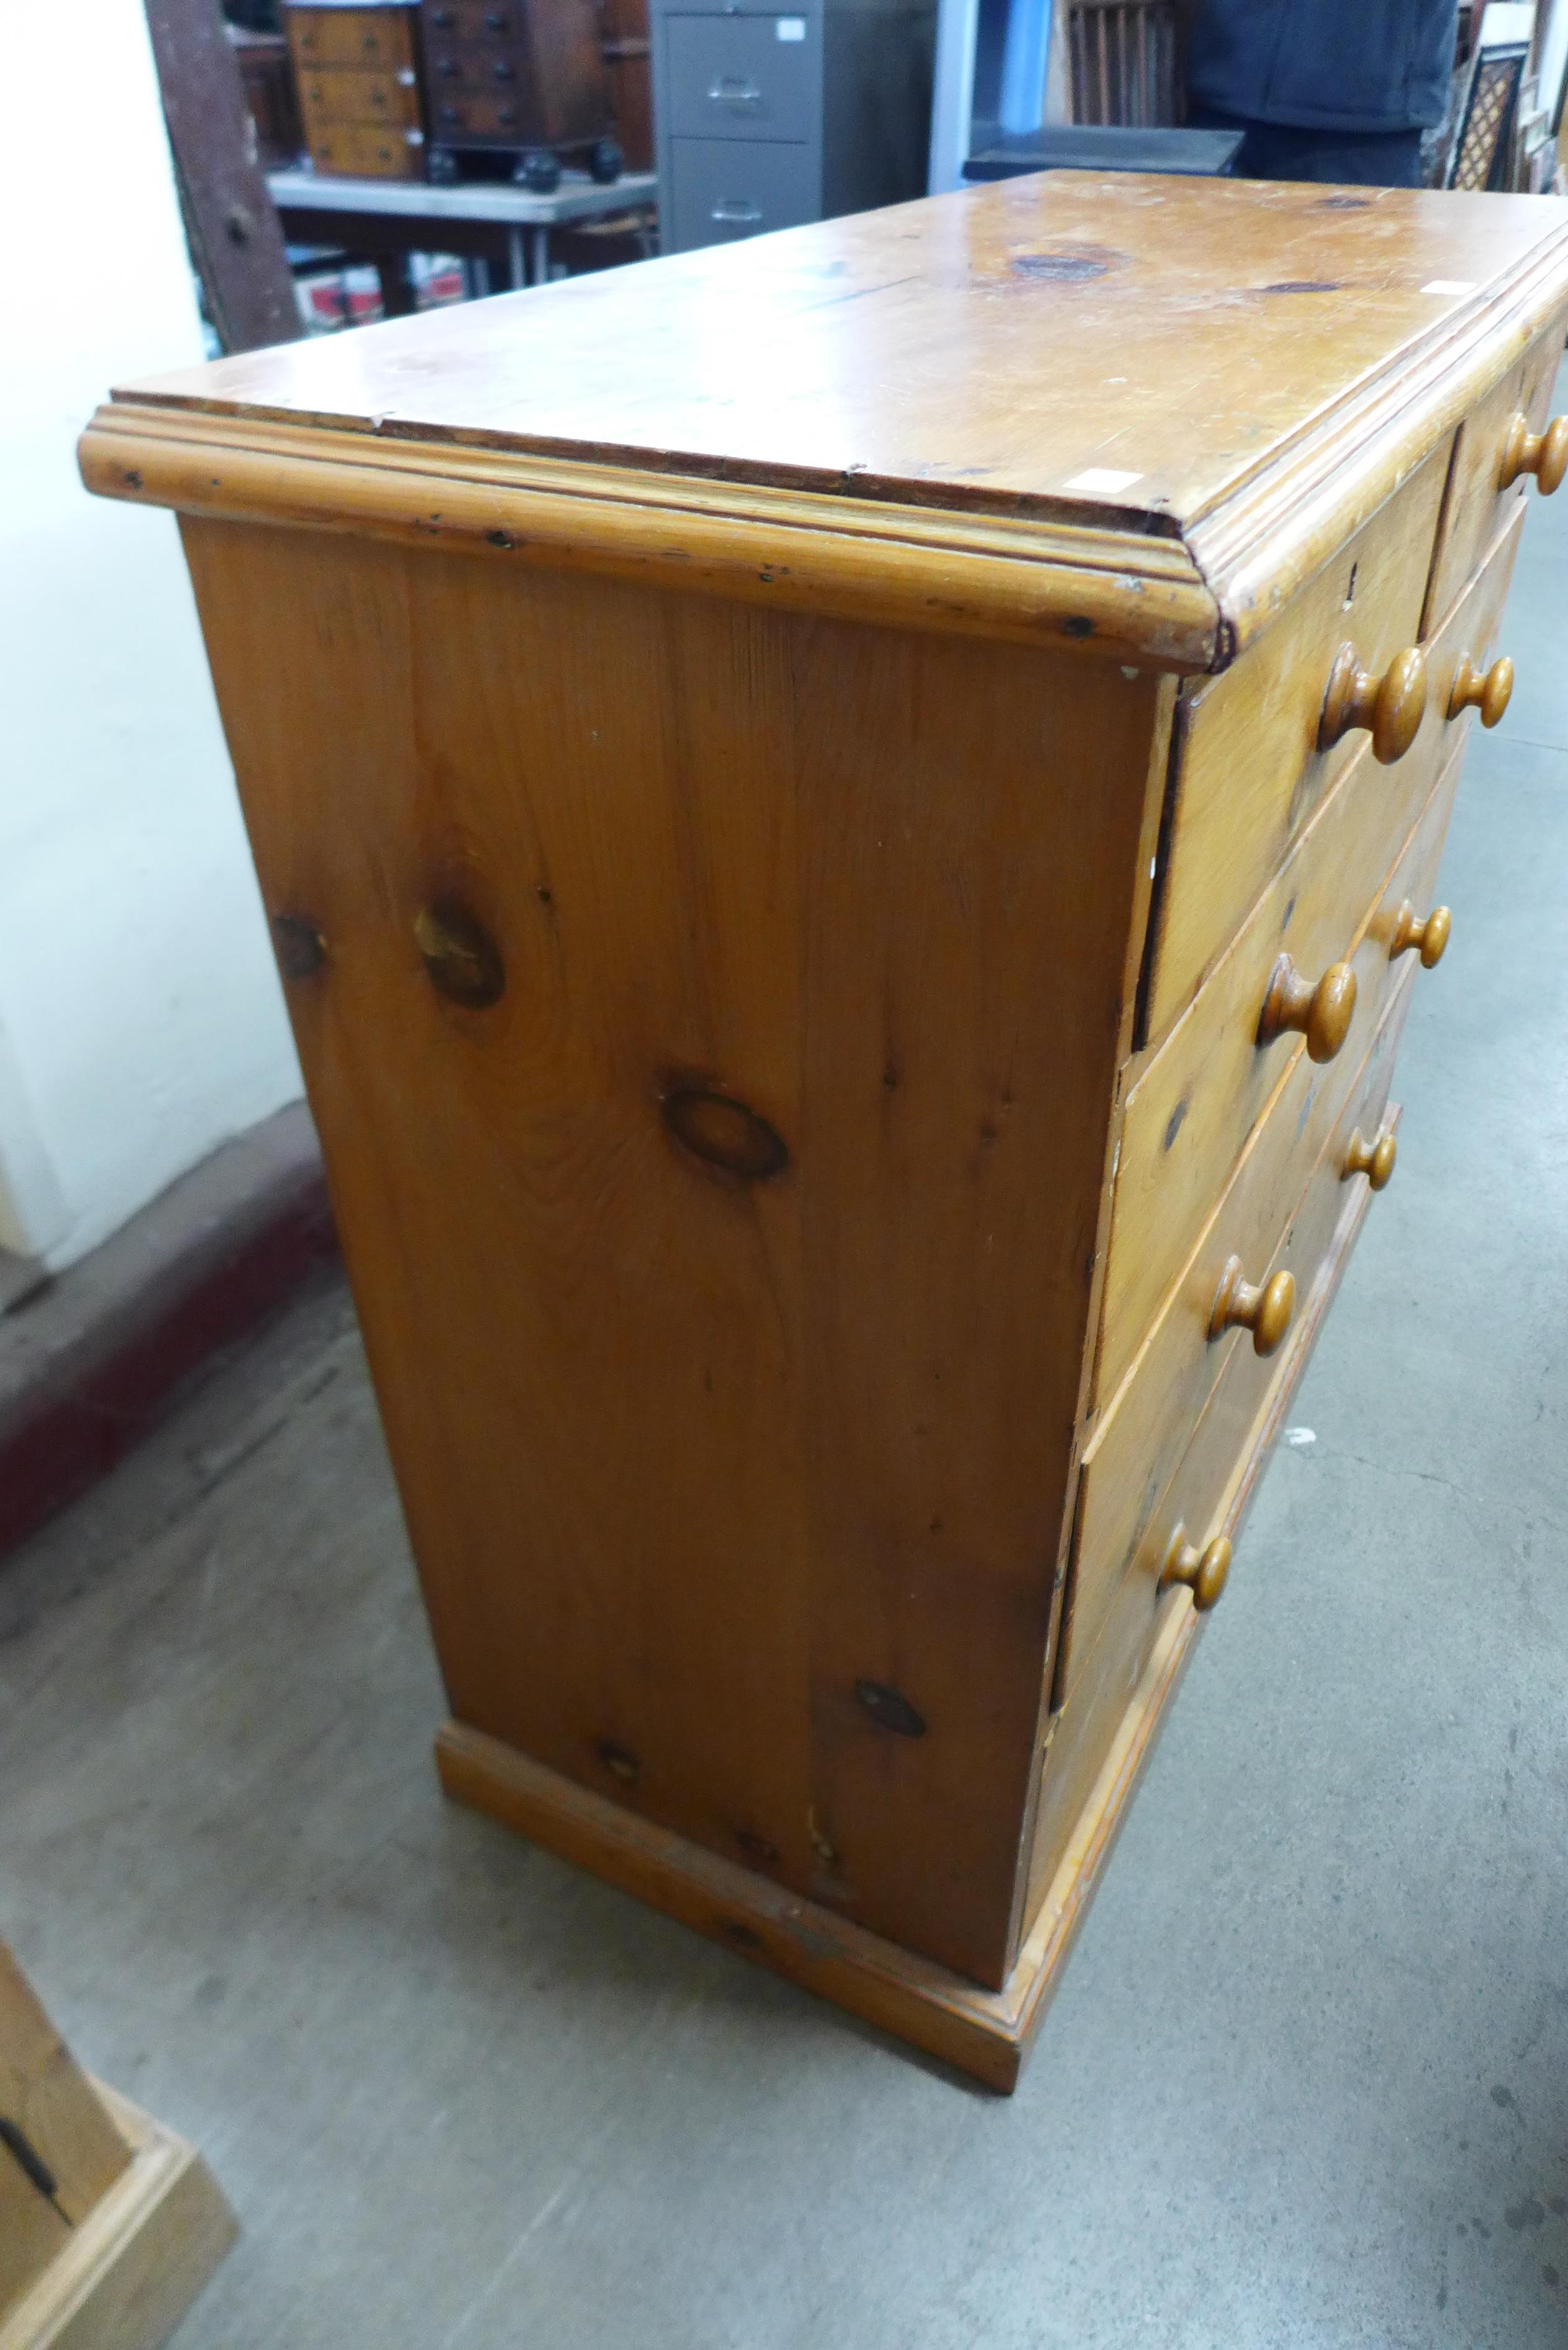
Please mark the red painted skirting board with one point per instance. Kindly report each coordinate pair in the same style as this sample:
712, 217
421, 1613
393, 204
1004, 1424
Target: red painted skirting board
91, 1361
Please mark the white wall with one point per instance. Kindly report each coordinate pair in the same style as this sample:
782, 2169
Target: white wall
141, 1022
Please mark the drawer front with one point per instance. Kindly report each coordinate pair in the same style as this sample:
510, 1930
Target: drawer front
1249, 773
1191, 1111
1278, 1215
475, 73
1217, 1472
326, 98
351, 37
1475, 508
722, 189
475, 21
360, 151
501, 115
741, 76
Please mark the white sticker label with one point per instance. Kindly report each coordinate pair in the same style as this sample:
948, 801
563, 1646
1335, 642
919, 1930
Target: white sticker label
1102, 477
1449, 285
790, 29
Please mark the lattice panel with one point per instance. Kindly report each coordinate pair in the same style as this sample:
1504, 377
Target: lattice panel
1491, 103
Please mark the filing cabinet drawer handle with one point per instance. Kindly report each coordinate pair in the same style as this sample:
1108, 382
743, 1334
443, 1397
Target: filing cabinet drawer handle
1489, 690
1392, 706
734, 94
1203, 1571
1322, 1015
732, 209
1429, 938
1373, 1159
1545, 454
1264, 1308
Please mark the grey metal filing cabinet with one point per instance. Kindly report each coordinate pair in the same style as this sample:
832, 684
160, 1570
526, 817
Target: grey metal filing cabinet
764, 119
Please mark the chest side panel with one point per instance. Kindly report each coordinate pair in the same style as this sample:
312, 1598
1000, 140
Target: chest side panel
712, 1043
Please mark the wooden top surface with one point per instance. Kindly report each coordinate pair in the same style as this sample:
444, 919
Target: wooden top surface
982, 351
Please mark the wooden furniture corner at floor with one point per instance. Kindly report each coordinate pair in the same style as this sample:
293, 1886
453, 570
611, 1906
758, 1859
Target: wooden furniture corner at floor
848, 899
109, 2224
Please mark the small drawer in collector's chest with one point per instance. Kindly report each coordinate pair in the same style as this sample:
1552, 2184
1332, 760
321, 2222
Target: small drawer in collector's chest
475, 22
364, 38
327, 98
359, 150
484, 114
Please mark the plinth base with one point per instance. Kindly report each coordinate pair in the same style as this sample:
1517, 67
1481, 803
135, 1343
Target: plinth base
986, 2034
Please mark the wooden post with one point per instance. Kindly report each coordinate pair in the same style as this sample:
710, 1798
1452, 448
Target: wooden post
110, 2225
230, 216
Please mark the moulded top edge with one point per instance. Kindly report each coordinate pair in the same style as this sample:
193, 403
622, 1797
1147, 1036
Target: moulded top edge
1111, 348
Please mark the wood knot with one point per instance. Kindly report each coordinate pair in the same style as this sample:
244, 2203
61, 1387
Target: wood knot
1065, 268
461, 958
300, 946
619, 1761
890, 1709
724, 1133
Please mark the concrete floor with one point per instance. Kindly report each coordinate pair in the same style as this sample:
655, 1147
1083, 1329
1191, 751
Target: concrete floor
1306, 2080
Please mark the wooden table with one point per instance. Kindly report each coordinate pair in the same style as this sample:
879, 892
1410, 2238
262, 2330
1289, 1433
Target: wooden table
483, 221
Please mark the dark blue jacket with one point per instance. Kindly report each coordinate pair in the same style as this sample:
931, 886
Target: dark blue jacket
1324, 64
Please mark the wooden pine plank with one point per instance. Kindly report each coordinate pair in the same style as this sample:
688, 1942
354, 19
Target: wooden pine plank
128, 2271
1082, 588
61, 2152
229, 217
1206, 337
685, 1460
986, 2034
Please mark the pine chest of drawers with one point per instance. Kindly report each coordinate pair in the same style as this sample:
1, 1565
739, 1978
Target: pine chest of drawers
847, 894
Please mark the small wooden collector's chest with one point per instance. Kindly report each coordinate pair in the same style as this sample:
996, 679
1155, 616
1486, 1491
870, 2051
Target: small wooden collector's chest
524, 77
848, 896
355, 69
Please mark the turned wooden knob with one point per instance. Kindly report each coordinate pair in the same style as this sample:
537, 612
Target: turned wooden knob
1265, 1309
1203, 1571
1545, 454
1392, 705
1489, 690
1430, 936
1373, 1160
1322, 1015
